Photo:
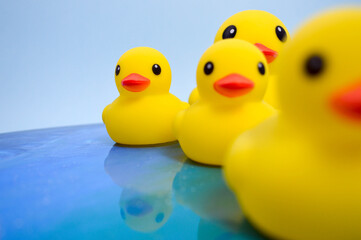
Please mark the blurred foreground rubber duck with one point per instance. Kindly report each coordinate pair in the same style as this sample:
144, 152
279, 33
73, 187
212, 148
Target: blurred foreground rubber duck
262, 29
145, 110
232, 80
298, 175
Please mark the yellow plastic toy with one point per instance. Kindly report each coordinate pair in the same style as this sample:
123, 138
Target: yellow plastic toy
232, 79
145, 110
298, 175
262, 29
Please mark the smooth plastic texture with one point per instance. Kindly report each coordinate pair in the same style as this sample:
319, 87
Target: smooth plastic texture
194, 96
145, 110
268, 53
230, 103
233, 85
348, 101
298, 175
259, 28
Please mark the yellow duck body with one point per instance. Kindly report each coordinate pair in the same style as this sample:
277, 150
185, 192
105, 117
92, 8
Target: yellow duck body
147, 120
298, 174
205, 129
206, 142
145, 110
265, 31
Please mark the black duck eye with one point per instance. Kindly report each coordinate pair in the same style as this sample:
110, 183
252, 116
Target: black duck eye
314, 65
156, 69
117, 70
208, 68
261, 68
281, 34
229, 32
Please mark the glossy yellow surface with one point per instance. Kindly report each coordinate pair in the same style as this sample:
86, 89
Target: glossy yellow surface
194, 96
207, 127
143, 117
255, 26
298, 175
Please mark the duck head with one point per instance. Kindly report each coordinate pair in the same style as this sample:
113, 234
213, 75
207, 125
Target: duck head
232, 72
260, 28
320, 81
141, 71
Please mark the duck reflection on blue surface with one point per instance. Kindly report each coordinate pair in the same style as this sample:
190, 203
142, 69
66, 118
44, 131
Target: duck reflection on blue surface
203, 190
144, 212
156, 179
145, 175
209, 230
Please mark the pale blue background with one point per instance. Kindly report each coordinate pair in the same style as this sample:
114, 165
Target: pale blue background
57, 58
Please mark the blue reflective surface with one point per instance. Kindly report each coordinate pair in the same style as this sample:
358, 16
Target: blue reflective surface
75, 182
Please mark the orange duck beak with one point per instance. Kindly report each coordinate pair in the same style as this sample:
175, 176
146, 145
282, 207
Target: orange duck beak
267, 52
233, 85
135, 82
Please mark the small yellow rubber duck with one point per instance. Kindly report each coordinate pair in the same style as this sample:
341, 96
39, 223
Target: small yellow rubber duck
144, 112
298, 175
232, 79
262, 29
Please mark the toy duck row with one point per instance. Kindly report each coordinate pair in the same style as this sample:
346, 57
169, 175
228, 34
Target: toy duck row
145, 111
296, 172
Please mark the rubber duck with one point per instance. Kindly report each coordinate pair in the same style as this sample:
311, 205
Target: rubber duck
145, 110
298, 174
231, 79
266, 32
